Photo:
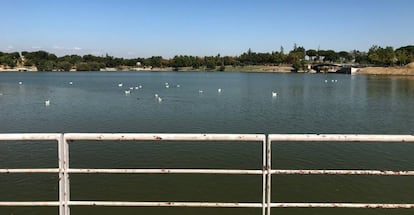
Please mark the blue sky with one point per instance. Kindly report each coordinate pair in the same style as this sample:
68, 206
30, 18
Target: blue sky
143, 28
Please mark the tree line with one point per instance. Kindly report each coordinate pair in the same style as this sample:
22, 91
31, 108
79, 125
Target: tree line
298, 57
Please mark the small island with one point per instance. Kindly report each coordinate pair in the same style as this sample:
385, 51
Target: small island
377, 60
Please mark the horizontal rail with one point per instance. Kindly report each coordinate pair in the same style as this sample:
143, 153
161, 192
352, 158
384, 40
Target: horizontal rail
55, 170
340, 205
341, 172
211, 204
168, 171
167, 204
340, 138
164, 137
30, 136
19, 204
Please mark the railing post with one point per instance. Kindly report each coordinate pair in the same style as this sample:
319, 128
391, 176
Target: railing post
62, 177
269, 174
264, 174
66, 174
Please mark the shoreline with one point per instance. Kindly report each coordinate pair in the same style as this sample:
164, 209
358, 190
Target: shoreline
253, 68
404, 71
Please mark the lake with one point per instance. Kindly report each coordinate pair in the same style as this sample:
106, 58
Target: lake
192, 103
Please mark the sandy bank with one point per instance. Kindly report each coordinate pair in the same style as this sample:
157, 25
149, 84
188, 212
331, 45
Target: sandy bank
18, 69
406, 70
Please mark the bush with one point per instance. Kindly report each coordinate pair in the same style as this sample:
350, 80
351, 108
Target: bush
64, 66
82, 67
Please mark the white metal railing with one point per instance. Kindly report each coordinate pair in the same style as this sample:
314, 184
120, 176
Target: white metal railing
42, 137
331, 138
64, 170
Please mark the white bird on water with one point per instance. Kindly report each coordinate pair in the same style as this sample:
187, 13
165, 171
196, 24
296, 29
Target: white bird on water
159, 99
47, 102
178, 86
140, 86
219, 90
156, 95
200, 91
127, 91
20, 82
274, 94
70, 82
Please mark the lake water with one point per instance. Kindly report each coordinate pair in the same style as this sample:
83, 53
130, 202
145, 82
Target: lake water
306, 103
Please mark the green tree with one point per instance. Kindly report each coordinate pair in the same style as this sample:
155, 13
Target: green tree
402, 56
388, 56
45, 65
75, 59
360, 57
95, 66
409, 50
311, 53
24, 53
345, 56
381, 56
155, 61
210, 63
38, 55
64, 65
320, 55
14, 55
90, 58
9, 59
282, 55
50, 65
276, 58
28, 63
300, 51
41, 59
180, 61
83, 67
331, 56
197, 63
52, 57
247, 57
296, 57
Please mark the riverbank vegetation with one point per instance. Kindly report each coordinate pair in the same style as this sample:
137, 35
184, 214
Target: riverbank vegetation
295, 60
